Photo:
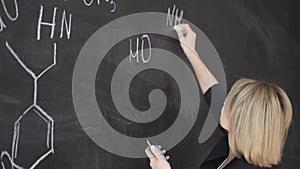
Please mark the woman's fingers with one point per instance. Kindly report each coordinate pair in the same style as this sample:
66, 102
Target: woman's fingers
149, 153
183, 30
156, 154
178, 31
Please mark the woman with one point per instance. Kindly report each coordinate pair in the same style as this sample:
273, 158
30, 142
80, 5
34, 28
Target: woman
255, 114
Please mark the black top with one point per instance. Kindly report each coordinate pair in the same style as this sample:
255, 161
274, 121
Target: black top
220, 151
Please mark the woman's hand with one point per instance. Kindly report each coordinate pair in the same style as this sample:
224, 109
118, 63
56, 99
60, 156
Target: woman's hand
157, 161
187, 38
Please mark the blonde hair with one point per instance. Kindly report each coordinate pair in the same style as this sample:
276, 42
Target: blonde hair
260, 116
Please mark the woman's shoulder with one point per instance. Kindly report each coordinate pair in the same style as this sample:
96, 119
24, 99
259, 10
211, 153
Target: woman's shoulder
218, 155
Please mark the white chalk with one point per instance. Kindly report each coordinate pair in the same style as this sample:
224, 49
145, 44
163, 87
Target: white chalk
176, 28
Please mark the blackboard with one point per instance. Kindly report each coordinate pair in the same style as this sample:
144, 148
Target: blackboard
52, 41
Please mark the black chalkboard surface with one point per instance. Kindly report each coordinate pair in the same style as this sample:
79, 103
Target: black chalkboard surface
61, 86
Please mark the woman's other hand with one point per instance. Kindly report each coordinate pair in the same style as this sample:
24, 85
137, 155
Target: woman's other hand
157, 161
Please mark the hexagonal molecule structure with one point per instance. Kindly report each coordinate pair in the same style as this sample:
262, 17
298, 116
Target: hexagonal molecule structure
40, 121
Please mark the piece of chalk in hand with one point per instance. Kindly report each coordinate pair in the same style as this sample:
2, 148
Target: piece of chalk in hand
177, 28
154, 148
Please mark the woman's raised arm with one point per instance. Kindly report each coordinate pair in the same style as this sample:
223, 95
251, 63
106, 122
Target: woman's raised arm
187, 38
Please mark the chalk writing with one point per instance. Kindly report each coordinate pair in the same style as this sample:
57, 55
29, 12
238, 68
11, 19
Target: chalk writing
64, 24
68, 27
10, 17
111, 2
36, 109
173, 18
2, 25
136, 53
8, 14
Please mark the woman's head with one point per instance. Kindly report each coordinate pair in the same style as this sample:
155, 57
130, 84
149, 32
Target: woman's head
257, 116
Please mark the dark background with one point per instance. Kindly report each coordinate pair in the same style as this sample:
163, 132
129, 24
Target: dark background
257, 39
